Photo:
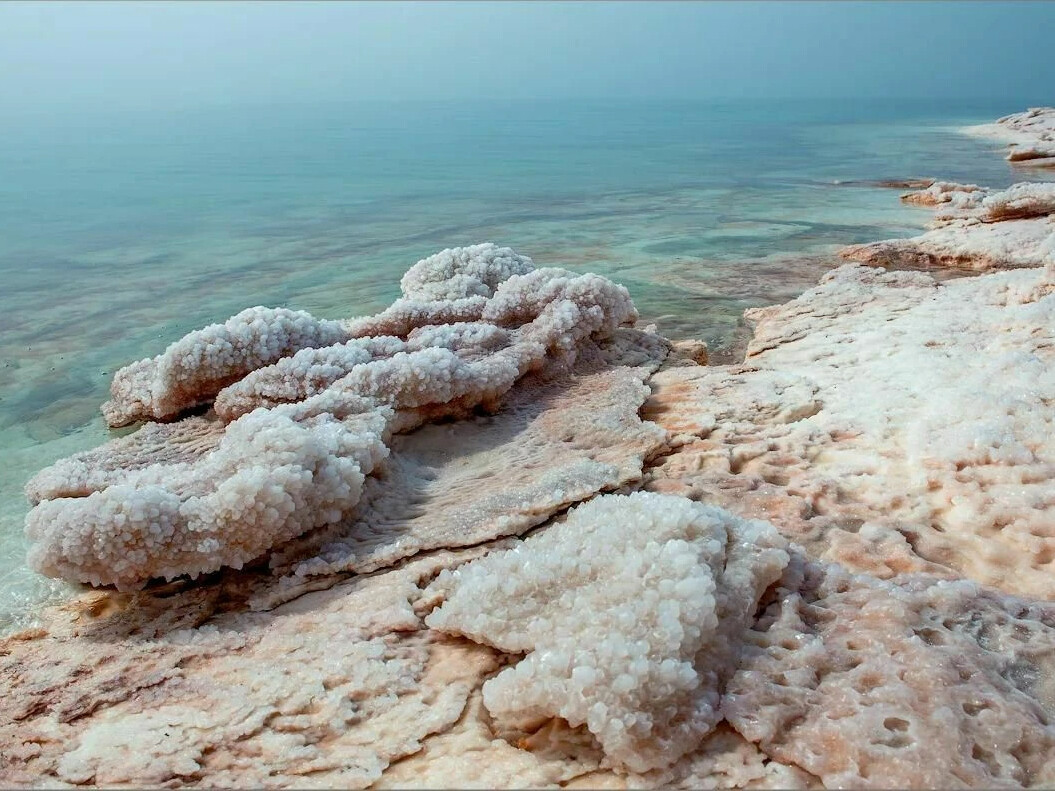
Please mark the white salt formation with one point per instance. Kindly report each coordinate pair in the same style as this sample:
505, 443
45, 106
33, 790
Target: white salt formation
193, 369
894, 431
918, 683
959, 202
462, 272
451, 286
274, 475
1017, 202
630, 613
280, 472
974, 229
548, 313
886, 421
1030, 135
940, 192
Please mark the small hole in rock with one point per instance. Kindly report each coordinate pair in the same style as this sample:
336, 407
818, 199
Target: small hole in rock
895, 724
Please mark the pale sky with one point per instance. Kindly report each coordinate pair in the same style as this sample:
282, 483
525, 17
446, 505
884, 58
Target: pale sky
77, 55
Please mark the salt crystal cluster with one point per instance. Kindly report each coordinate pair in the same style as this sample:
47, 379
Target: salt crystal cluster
630, 613
530, 318
451, 286
193, 369
309, 418
463, 272
273, 475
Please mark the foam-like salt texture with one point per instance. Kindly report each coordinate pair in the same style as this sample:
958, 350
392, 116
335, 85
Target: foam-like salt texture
305, 429
630, 613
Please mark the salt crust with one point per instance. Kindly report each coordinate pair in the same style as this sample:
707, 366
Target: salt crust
630, 612
185, 688
280, 472
885, 421
974, 229
193, 369
914, 683
1030, 135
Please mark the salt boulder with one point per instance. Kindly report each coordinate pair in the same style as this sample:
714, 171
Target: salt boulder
973, 229
630, 613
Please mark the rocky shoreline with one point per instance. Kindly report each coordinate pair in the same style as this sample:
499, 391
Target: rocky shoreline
576, 556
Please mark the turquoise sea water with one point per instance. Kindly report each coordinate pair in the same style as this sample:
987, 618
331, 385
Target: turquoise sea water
118, 234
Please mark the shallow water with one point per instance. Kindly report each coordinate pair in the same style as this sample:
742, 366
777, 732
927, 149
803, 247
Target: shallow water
120, 234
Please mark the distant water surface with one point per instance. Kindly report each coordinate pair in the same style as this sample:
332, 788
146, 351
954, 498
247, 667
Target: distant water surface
120, 233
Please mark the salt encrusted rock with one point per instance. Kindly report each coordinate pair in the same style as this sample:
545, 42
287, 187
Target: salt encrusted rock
885, 421
959, 201
82, 474
462, 272
917, 683
1020, 201
973, 229
183, 687
194, 369
963, 245
306, 373
557, 440
630, 612
1030, 135
451, 286
549, 312
114, 517
274, 475
939, 192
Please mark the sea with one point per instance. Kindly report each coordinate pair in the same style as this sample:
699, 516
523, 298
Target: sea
121, 231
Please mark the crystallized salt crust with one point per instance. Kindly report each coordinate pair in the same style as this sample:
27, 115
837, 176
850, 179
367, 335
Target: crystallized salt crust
973, 229
888, 422
193, 369
135, 690
910, 683
273, 475
630, 613
1030, 135
301, 462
